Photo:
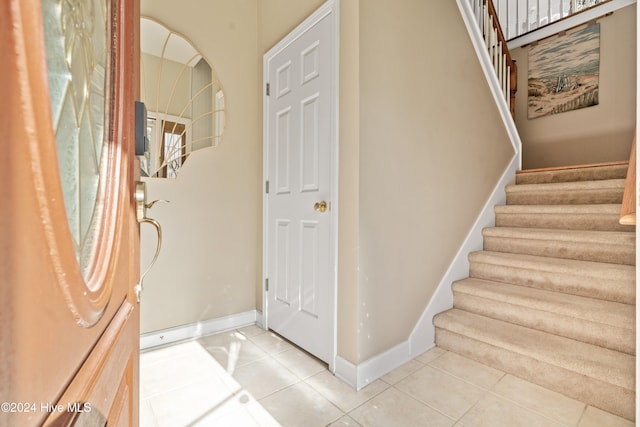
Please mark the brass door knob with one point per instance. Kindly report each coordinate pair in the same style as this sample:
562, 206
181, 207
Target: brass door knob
320, 206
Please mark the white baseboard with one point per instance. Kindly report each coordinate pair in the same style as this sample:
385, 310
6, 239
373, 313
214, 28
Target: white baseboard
346, 371
358, 376
260, 319
422, 337
199, 329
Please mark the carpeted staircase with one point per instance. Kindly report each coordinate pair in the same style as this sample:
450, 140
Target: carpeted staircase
551, 298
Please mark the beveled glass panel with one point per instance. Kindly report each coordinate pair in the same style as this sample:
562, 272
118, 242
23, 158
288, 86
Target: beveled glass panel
76, 41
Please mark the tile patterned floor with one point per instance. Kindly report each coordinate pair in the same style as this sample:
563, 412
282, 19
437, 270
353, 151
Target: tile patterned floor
249, 377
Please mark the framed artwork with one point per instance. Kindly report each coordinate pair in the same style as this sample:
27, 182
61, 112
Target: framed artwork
564, 72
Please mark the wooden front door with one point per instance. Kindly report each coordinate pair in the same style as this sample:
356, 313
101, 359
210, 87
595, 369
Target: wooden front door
69, 321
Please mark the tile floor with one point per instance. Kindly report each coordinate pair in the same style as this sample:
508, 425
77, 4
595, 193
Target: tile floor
249, 377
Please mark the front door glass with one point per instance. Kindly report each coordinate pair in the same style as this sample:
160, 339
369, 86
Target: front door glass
77, 46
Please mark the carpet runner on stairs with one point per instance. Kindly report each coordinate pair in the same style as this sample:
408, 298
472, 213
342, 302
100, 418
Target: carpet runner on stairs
551, 298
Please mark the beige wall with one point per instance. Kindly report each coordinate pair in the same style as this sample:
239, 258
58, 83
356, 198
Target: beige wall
208, 267
432, 147
412, 180
401, 192
349, 183
595, 134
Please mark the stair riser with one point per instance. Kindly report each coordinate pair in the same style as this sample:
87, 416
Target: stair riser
595, 222
615, 290
573, 175
607, 336
584, 197
608, 397
597, 252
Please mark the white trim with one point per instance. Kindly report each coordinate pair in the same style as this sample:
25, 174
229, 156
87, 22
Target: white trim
335, 160
331, 7
422, 337
346, 371
359, 376
487, 66
197, 330
260, 320
383, 363
569, 22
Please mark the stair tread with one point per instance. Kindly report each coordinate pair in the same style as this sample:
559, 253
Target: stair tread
556, 265
603, 364
611, 282
565, 168
590, 172
562, 216
573, 192
610, 313
605, 208
583, 236
588, 245
603, 184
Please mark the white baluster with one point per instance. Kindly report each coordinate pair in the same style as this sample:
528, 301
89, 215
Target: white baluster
509, 86
506, 20
486, 26
495, 48
491, 42
517, 18
500, 63
505, 76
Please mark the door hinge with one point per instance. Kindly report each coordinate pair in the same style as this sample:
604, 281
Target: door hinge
266, 285
266, 187
268, 89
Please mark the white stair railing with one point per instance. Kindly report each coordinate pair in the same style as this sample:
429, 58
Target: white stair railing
503, 65
522, 16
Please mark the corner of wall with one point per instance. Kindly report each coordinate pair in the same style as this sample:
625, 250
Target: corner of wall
359, 376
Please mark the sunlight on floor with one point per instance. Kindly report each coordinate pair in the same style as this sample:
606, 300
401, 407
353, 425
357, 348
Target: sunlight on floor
183, 385
251, 377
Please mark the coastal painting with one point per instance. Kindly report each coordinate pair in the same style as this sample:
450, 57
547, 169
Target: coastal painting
563, 72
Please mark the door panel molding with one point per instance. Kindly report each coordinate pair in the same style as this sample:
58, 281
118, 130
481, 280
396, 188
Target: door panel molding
281, 83
104, 378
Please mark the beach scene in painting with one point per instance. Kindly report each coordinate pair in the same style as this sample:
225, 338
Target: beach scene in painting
563, 72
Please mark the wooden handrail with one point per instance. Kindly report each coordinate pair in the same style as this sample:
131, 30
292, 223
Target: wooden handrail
511, 63
628, 209
498, 27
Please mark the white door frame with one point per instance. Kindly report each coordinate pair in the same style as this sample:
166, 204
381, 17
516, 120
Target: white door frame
331, 7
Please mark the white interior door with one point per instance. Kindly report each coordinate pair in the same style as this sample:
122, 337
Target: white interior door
300, 198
